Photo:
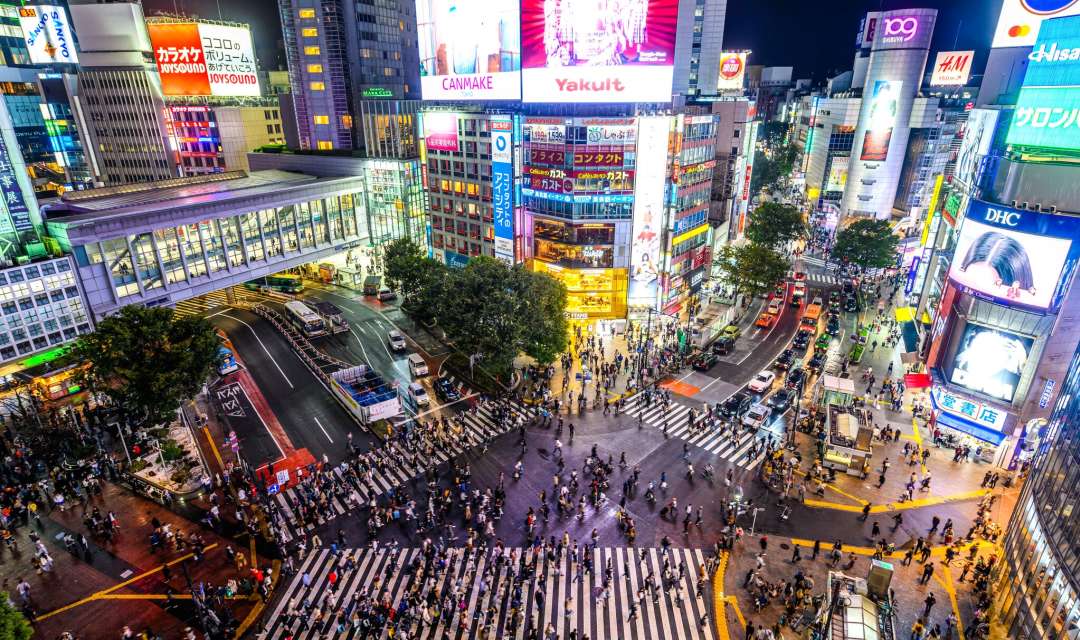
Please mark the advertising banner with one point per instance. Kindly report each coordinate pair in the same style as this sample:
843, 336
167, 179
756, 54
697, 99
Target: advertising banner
838, 171
884, 103
951, 68
981, 413
1047, 118
990, 361
543, 156
1019, 21
47, 33
502, 186
1014, 257
732, 71
201, 59
440, 131
469, 50
648, 217
544, 133
590, 51
978, 136
1055, 60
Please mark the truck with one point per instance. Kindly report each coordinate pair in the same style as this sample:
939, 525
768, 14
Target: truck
365, 394
812, 314
372, 284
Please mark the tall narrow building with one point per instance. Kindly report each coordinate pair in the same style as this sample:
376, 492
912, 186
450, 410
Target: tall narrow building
698, 44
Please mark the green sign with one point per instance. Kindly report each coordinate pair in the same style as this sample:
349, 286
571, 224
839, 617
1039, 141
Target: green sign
1046, 117
377, 92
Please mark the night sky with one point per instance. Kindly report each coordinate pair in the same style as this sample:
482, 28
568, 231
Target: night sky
817, 37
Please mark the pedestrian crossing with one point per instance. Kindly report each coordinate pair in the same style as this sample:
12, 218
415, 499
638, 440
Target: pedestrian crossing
488, 596
476, 426
737, 448
820, 278
200, 305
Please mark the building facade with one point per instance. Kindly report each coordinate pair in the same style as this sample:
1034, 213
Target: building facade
211, 138
699, 41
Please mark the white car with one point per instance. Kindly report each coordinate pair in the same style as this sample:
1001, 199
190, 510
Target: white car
756, 415
800, 289
419, 394
397, 341
762, 382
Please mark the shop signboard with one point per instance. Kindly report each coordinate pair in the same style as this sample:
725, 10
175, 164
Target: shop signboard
1047, 393
47, 33
951, 68
1055, 59
1046, 117
982, 415
571, 52
469, 50
502, 170
204, 59
1015, 257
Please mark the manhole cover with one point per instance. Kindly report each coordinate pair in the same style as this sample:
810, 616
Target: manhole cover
785, 546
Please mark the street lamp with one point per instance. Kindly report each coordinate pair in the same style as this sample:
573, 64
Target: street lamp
753, 523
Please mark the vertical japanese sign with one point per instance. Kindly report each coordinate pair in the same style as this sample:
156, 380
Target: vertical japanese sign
502, 171
648, 220
17, 228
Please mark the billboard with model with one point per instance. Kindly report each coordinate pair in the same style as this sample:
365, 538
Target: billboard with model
598, 50
990, 361
469, 50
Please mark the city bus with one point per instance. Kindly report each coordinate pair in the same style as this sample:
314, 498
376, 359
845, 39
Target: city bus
304, 319
335, 319
283, 282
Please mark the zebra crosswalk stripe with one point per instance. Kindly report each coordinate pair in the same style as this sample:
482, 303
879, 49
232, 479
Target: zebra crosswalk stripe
570, 602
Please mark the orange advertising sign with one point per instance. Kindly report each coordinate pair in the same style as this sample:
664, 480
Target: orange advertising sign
179, 55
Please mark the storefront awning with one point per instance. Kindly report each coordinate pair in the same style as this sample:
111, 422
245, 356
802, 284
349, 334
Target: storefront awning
917, 380
979, 433
905, 314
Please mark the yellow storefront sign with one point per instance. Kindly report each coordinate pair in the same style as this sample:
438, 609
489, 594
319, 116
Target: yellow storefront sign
693, 233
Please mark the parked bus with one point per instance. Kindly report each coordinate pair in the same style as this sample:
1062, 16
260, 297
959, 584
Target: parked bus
304, 319
283, 282
335, 319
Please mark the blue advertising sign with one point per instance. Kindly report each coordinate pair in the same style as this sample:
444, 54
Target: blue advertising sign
580, 198
13, 196
1055, 59
912, 274
454, 259
502, 170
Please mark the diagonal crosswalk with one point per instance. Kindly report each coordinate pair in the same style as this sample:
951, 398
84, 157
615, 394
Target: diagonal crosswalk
496, 595
476, 426
736, 446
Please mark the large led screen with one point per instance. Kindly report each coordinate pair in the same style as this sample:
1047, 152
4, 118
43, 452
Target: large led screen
469, 50
1019, 20
990, 361
1011, 256
598, 50
978, 135
884, 103
652, 144
201, 59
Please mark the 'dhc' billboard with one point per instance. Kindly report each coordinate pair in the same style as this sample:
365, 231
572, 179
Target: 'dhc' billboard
203, 59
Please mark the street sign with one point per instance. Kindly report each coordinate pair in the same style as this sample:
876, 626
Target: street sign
282, 476
272, 489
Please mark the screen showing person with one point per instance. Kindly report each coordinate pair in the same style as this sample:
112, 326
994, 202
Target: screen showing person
991, 361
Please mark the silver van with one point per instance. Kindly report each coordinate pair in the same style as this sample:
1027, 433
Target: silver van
417, 366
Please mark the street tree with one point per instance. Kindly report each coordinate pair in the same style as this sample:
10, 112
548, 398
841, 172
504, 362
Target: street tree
13, 624
147, 360
543, 304
773, 225
479, 314
751, 269
867, 243
403, 266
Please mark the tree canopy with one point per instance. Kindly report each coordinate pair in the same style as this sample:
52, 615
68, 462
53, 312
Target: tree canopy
752, 269
867, 243
770, 169
774, 225
13, 624
147, 360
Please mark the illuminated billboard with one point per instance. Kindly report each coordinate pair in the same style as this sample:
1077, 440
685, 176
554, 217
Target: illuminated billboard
951, 68
1055, 59
1014, 257
48, 34
202, 59
441, 131
884, 104
469, 50
1019, 20
648, 201
590, 51
502, 186
1047, 117
978, 136
732, 70
990, 361
838, 171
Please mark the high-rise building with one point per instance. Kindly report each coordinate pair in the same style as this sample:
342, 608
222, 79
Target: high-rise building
901, 42
1037, 581
736, 131
119, 93
699, 42
341, 52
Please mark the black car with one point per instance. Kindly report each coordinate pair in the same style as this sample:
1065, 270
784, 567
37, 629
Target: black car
834, 296
781, 400
796, 378
817, 362
851, 303
705, 361
784, 360
832, 327
802, 339
849, 288
736, 405
723, 345
445, 390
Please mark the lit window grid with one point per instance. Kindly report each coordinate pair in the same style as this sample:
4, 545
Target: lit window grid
41, 306
174, 255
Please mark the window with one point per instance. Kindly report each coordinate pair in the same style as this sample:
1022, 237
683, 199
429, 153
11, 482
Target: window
318, 86
322, 119
310, 32
325, 145
314, 68
311, 51
346, 121
307, 13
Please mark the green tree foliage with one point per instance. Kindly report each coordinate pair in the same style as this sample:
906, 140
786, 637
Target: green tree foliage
401, 259
772, 168
774, 225
13, 624
867, 243
752, 269
147, 360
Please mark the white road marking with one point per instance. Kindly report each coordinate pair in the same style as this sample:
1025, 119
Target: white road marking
323, 429
253, 332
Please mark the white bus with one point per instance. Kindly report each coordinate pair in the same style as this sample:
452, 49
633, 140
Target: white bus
304, 319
